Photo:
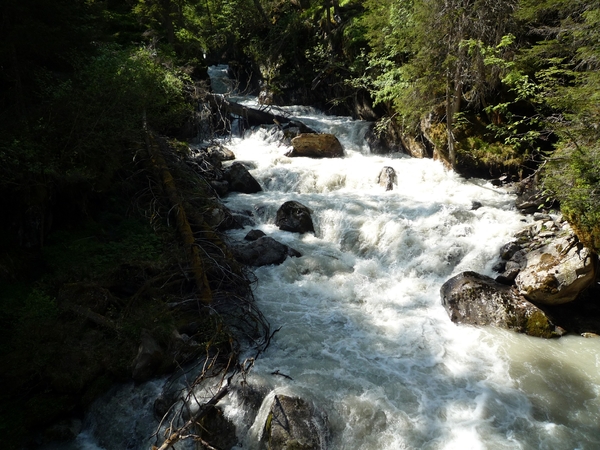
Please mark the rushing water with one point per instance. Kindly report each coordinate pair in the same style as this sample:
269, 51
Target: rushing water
363, 333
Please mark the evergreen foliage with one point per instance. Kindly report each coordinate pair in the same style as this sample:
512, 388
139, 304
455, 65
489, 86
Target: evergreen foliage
496, 86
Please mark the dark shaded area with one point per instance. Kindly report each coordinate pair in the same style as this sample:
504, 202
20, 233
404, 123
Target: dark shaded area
581, 316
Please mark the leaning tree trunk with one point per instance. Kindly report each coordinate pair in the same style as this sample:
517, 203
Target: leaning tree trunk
183, 225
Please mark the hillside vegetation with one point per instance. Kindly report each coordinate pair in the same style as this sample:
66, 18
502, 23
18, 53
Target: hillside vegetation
91, 91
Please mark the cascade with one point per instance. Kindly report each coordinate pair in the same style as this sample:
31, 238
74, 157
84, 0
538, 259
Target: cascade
363, 334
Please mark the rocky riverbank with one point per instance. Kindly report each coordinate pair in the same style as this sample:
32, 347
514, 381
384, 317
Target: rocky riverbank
546, 282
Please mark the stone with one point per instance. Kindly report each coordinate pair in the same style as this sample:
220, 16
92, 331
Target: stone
240, 180
387, 178
220, 153
316, 146
508, 250
263, 251
221, 187
217, 429
149, 358
557, 272
295, 217
294, 424
472, 298
254, 235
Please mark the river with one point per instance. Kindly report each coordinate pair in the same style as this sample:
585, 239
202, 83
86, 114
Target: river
363, 334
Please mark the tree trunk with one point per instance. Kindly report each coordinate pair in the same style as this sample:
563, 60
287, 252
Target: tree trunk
183, 225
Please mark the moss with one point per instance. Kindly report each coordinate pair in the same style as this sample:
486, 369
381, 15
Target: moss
538, 325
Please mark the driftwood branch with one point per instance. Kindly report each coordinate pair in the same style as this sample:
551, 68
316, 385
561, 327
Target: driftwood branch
180, 432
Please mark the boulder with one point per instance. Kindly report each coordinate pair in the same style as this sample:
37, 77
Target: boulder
220, 153
387, 178
295, 217
557, 272
262, 252
471, 298
293, 423
240, 180
254, 235
316, 146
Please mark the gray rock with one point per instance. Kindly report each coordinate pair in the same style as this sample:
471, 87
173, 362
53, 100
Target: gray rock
220, 153
254, 235
240, 180
387, 178
262, 252
508, 250
557, 272
471, 298
294, 424
316, 146
295, 217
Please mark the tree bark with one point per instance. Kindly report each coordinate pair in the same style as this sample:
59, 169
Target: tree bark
183, 225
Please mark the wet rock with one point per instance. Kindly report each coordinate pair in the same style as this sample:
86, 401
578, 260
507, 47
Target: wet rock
217, 430
149, 358
316, 146
253, 235
221, 187
508, 250
262, 252
475, 205
240, 180
294, 424
222, 219
295, 217
387, 178
557, 272
220, 153
471, 298
499, 266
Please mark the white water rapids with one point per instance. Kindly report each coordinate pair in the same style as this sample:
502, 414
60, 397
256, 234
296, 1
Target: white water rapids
363, 333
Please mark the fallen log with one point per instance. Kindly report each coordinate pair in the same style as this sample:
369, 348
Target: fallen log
254, 116
183, 225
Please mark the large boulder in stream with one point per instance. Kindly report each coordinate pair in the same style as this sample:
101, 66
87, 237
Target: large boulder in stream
294, 424
295, 217
316, 146
471, 298
263, 251
557, 272
240, 180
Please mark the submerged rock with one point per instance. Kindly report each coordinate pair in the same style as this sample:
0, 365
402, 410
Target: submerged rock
263, 251
295, 217
316, 146
471, 298
294, 424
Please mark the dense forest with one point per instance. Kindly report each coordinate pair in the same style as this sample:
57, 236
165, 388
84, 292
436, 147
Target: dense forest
89, 89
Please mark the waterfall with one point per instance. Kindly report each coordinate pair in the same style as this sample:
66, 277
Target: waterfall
363, 334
